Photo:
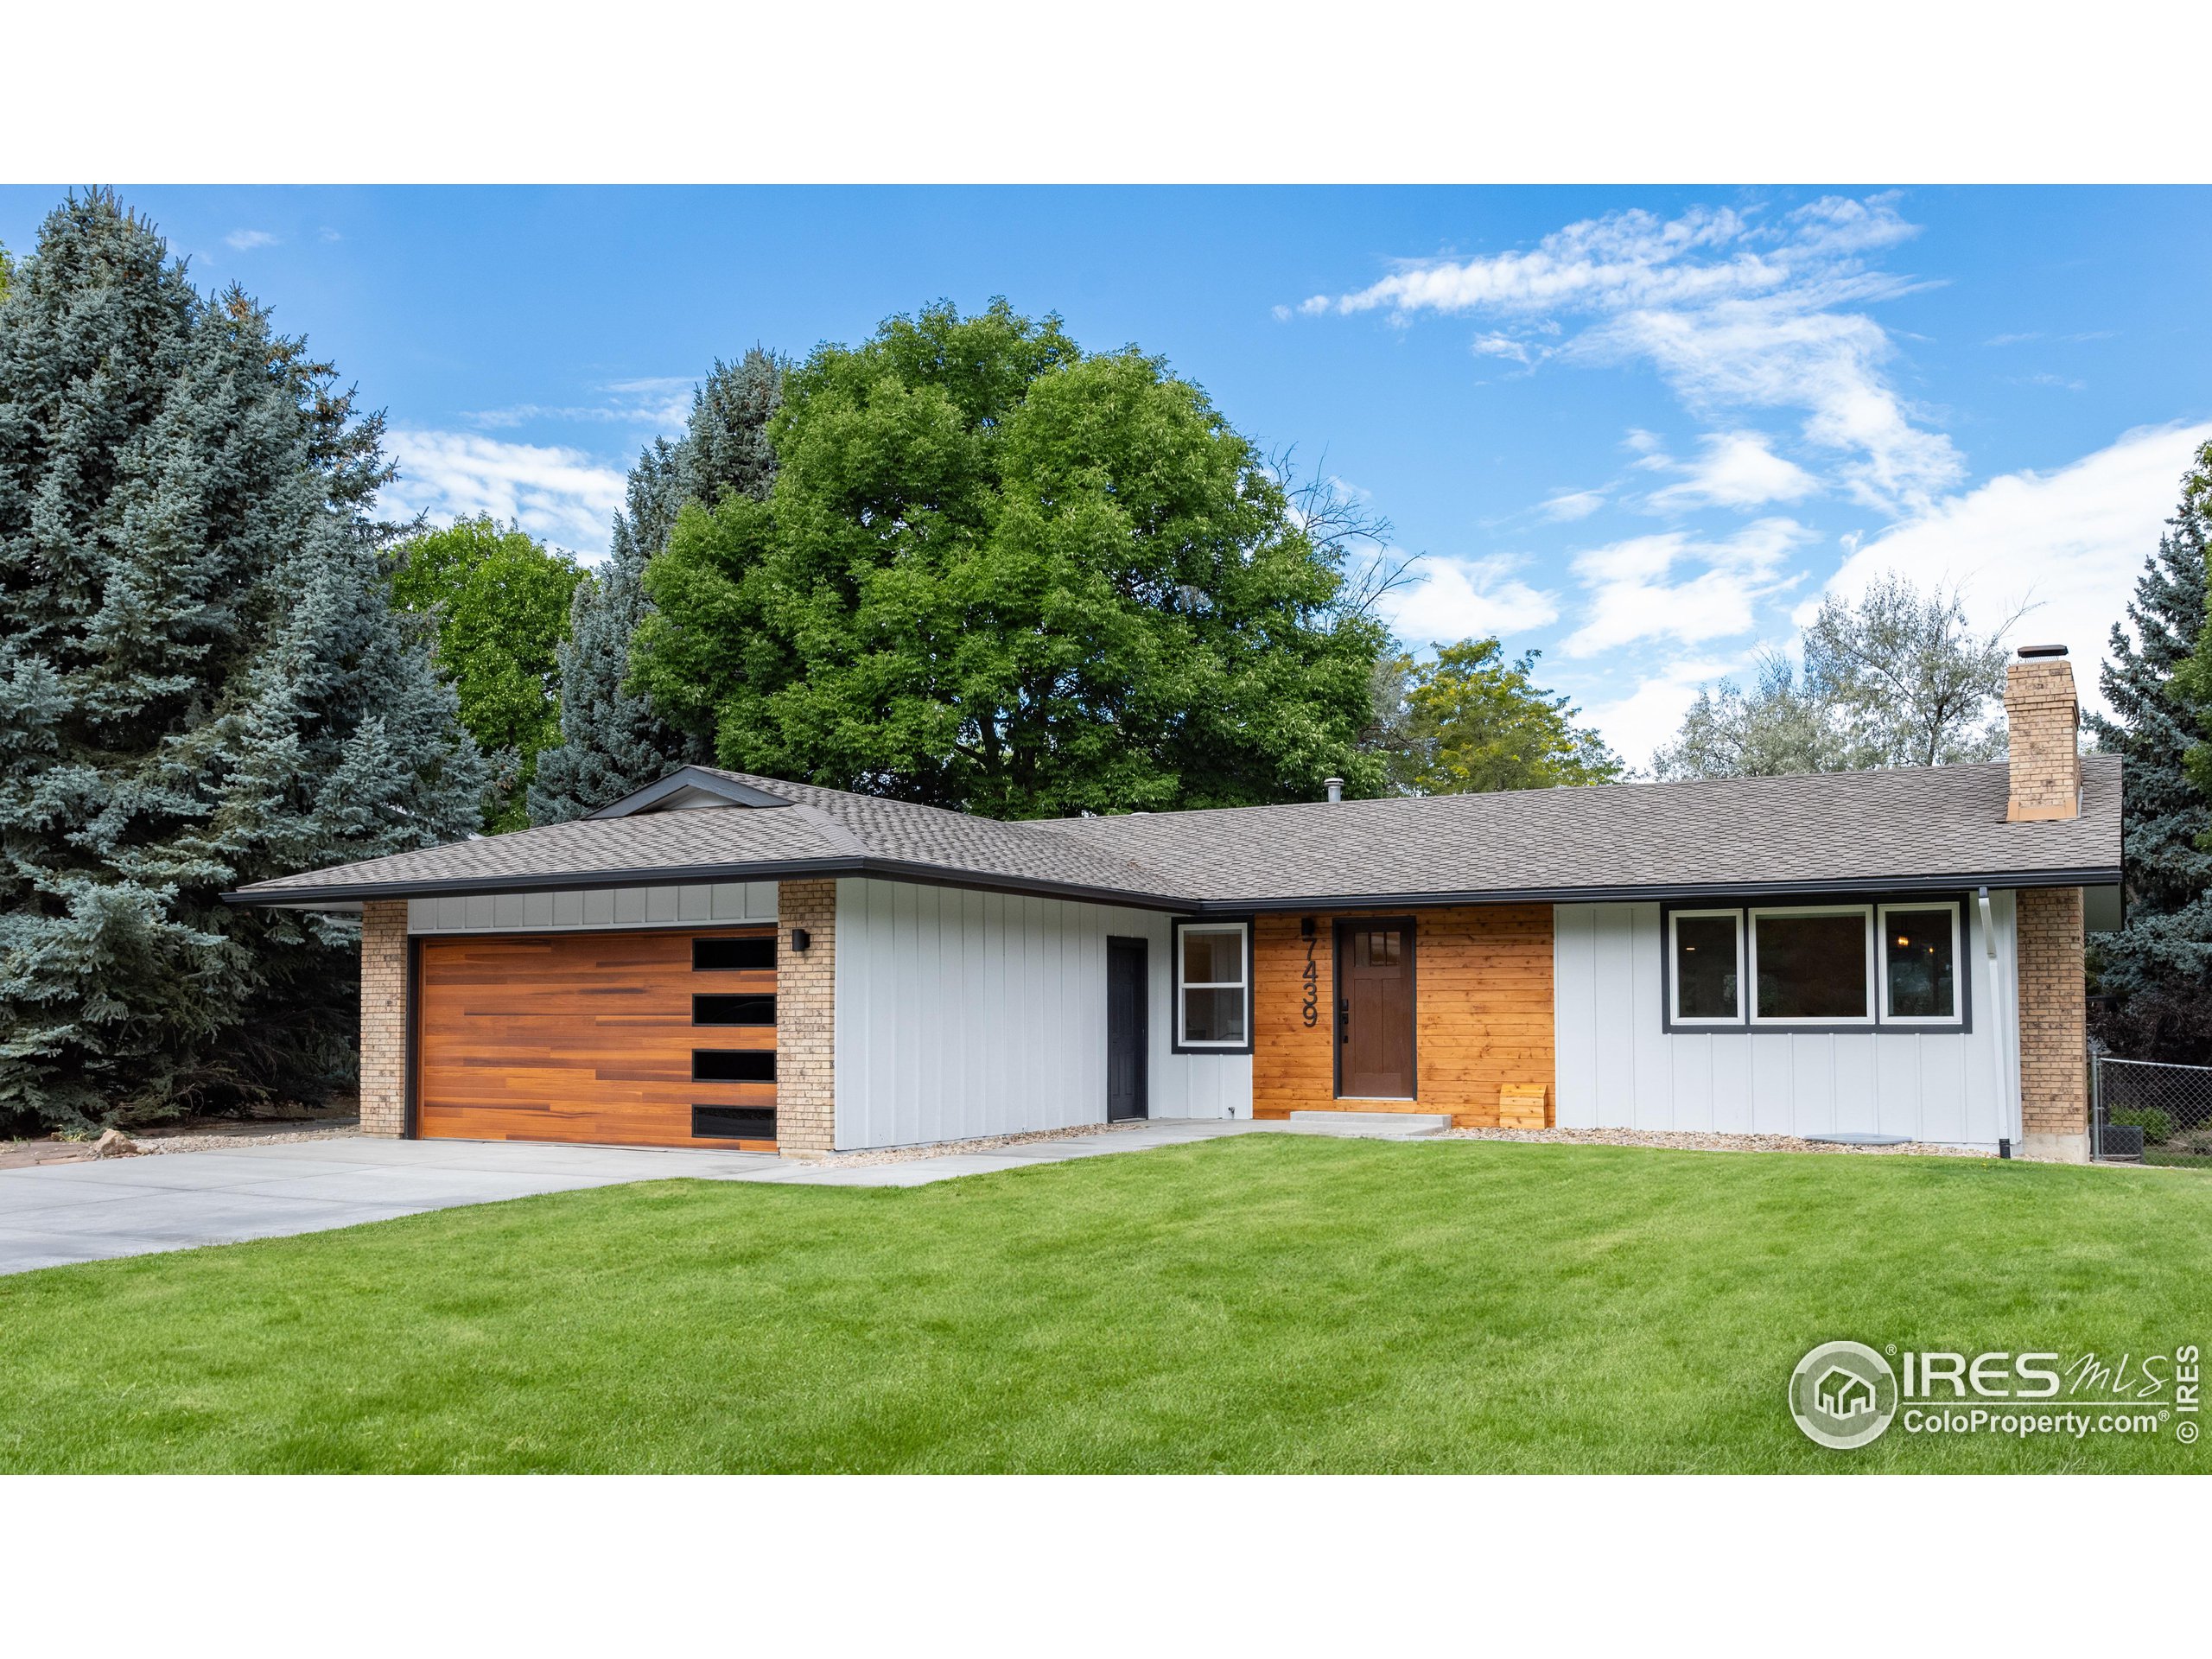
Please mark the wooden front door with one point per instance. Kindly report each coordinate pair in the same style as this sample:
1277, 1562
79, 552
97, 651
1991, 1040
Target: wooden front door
1375, 1010
658, 1039
1126, 1029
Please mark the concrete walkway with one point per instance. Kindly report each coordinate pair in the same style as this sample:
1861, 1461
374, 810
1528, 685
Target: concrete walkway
52, 1214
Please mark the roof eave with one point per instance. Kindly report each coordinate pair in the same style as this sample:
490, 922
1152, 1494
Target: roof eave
350, 895
1646, 892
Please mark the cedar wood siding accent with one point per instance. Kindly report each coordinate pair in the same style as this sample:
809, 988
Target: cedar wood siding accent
578, 1037
1482, 1015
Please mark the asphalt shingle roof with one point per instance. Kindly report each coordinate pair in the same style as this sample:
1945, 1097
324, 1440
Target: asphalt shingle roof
1904, 827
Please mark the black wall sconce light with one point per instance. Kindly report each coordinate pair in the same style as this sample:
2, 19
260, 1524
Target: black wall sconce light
1305, 927
800, 939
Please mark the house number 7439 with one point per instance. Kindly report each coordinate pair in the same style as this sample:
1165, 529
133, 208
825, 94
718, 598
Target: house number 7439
1311, 1010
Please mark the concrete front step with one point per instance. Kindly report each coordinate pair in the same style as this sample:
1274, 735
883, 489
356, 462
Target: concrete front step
1392, 1123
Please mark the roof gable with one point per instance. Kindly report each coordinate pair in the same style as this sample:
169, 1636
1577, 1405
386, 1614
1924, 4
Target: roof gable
689, 789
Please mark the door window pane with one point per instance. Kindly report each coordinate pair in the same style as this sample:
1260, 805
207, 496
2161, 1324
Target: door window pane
1917, 949
1214, 1016
1705, 974
1812, 967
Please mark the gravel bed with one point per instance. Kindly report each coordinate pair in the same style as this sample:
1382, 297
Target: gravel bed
951, 1148
1692, 1141
251, 1135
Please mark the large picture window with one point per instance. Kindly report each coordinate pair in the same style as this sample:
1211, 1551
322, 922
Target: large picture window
1213, 986
1885, 963
1813, 967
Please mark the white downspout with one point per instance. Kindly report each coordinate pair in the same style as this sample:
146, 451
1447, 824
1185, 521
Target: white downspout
2002, 1026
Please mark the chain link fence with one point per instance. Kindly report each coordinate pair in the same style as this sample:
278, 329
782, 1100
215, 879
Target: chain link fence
2149, 1112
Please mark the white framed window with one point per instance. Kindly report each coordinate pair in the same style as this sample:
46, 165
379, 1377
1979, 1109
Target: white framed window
1920, 951
1812, 965
1213, 987
1705, 977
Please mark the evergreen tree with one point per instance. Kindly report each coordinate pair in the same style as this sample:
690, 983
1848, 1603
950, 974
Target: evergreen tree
2157, 972
202, 683
612, 740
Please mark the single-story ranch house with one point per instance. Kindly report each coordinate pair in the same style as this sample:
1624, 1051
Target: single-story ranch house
732, 961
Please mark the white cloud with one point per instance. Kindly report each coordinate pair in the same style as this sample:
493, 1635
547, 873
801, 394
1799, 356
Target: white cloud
1651, 714
245, 240
1736, 470
1632, 597
1503, 346
1465, 599
2070, 542
1570, 505
662, 403
1737, 312
562, 495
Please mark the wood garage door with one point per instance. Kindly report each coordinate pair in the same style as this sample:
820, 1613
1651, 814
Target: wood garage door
610, 1038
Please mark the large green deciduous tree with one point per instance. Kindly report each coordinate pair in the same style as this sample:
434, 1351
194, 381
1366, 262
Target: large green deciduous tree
612, 741
500, 603
997, 575
1472, 722
202, 683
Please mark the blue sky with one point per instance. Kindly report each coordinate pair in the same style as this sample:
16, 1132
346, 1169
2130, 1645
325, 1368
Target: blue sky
1643, 429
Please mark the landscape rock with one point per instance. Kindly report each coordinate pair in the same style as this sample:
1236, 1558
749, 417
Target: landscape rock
114, 1143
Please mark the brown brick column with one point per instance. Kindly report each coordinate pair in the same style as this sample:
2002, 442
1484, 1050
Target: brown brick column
806, 1019
384, 1016
2054, 1027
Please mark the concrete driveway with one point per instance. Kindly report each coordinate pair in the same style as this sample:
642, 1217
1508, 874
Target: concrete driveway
52, 1214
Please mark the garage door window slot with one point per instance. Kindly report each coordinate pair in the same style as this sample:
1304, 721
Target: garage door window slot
753, 1010
732, 1065
733, 1122
732, 955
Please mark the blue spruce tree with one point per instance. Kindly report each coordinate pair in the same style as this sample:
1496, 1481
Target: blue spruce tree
612, 741
2155, 976
202, 683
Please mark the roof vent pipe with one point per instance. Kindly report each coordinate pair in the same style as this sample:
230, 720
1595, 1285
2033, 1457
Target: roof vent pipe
1335, 786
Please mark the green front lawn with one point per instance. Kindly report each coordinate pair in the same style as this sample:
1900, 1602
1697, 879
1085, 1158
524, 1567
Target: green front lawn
1262, 1303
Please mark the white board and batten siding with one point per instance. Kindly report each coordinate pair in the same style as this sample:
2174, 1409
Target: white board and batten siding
1618, 1067
584, 908
961, 1015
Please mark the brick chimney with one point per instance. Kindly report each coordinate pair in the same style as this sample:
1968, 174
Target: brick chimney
2042, 717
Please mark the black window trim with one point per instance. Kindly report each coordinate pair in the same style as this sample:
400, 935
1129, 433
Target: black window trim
1175, 1043
1881, 1024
